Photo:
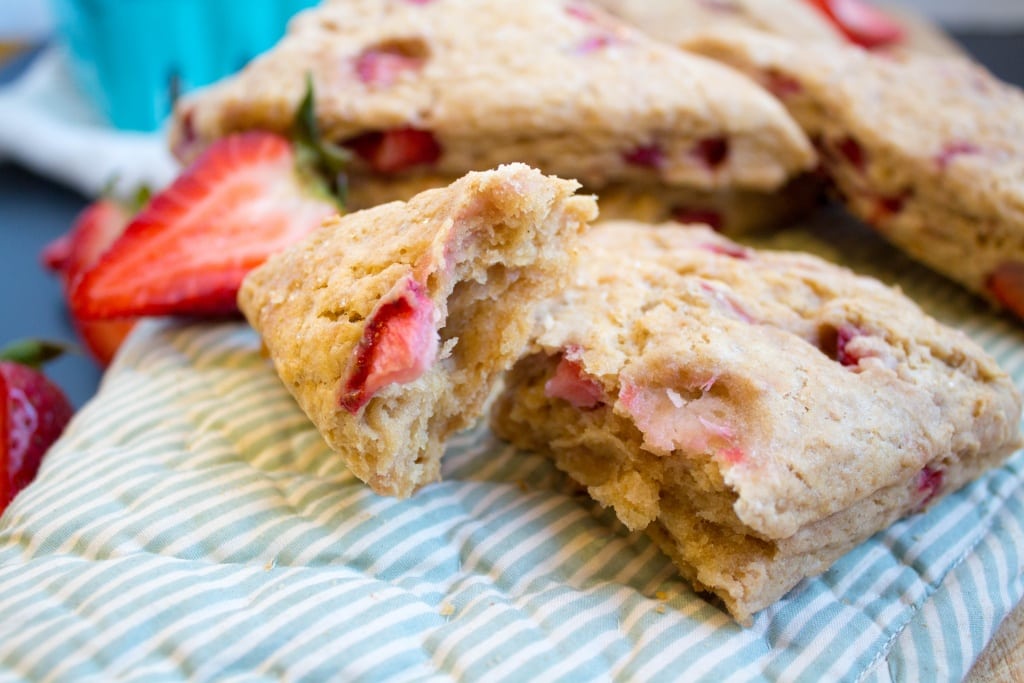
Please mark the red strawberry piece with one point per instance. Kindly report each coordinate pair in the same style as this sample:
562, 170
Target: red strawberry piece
33, 414
887, 207
74, 253
383, 65
954, 150
56, 253
396, 150
781, 85
581, 12
708, 217
1006, 284
861, 22
731, 250
928, 483
571, 383
187, 252
712, 151
853, 153
645, 156
399, 343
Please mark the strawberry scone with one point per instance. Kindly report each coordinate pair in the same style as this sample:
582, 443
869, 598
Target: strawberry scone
758, 413
432, 90
928, 150
390, 326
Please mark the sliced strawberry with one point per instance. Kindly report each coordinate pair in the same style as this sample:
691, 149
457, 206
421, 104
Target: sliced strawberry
187, 252
398, 344
861, 22
74, 253
56, 253
33, 414
396, 150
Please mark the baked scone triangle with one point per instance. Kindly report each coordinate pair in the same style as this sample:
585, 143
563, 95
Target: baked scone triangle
439, 88
759, 413
390, 326
928, 150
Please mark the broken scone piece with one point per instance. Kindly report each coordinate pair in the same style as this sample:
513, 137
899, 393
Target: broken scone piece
758, 413
389, 326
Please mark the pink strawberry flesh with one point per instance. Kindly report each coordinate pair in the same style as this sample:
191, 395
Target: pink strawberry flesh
383, 65
398, 344
34, 415
671, 422
571, 383
396, 150
1006, 284
861, 22
781, 85
187, 252
928, 484
954, 150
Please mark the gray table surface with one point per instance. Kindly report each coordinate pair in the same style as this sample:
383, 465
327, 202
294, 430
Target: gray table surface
34, 210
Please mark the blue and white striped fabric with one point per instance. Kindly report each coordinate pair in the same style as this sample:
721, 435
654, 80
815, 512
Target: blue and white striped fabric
191, 525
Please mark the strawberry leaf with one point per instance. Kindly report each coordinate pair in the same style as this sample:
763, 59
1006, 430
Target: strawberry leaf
316, 155
33, 352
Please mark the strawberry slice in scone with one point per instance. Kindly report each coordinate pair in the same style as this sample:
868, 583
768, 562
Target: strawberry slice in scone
928, 150
758, 413
391, 325
433, 90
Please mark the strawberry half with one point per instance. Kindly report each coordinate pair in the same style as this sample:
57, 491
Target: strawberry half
187, 252
33, 414
71, 255
861, 22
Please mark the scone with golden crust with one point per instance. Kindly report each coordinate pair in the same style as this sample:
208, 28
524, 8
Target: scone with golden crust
928, 150
758, 413
449, 86
390, 326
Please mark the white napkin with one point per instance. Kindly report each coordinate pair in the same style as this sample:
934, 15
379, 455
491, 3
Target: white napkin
48, 125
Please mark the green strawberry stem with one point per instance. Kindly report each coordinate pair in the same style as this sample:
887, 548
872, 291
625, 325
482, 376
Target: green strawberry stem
318, 157
33, 352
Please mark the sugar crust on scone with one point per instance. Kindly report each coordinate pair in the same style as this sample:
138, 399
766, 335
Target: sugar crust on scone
560, 85
928, 150
759, 413
390, 326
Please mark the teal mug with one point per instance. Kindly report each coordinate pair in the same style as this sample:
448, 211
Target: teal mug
133, 57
